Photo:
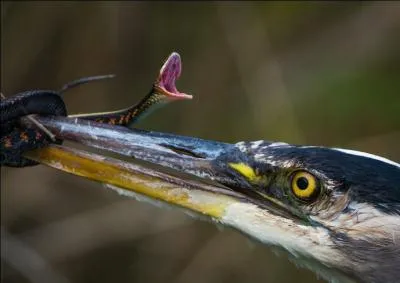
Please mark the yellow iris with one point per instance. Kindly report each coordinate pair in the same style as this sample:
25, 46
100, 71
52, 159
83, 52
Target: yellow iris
304, 185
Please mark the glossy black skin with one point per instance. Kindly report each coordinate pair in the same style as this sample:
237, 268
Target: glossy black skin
16, 139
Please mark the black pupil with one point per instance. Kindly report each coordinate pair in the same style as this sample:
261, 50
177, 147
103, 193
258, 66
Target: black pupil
302, 183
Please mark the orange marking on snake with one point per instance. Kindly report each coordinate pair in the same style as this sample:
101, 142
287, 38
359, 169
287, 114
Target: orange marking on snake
24, 136
112, 121
7, 142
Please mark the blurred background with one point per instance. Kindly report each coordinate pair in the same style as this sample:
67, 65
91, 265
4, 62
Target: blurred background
320, 73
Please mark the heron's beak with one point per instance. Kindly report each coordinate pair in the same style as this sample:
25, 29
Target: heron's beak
140, 182
200, 180
194, 183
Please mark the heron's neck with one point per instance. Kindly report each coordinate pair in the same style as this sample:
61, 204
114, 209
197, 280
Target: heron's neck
333, 258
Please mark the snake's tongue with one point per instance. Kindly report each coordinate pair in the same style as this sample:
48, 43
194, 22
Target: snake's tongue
169, 73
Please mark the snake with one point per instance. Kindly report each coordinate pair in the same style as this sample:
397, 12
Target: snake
15, 138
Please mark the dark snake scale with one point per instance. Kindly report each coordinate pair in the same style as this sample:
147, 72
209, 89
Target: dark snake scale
16, 139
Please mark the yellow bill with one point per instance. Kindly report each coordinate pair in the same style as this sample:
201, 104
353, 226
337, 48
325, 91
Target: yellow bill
131, 179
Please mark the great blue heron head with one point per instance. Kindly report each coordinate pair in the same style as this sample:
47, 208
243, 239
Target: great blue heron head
336, 210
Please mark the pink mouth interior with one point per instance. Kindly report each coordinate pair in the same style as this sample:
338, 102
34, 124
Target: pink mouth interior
169, 73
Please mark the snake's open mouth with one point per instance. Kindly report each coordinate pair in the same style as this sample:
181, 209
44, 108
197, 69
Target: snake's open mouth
169, 73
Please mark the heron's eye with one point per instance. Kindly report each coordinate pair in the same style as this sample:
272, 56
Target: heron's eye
305, 186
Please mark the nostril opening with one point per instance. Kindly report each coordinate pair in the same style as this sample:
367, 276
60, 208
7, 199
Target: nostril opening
183, 151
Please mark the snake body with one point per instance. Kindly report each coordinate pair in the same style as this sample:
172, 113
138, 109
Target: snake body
16, 139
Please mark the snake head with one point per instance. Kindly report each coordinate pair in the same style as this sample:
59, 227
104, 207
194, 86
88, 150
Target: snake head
169, 73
